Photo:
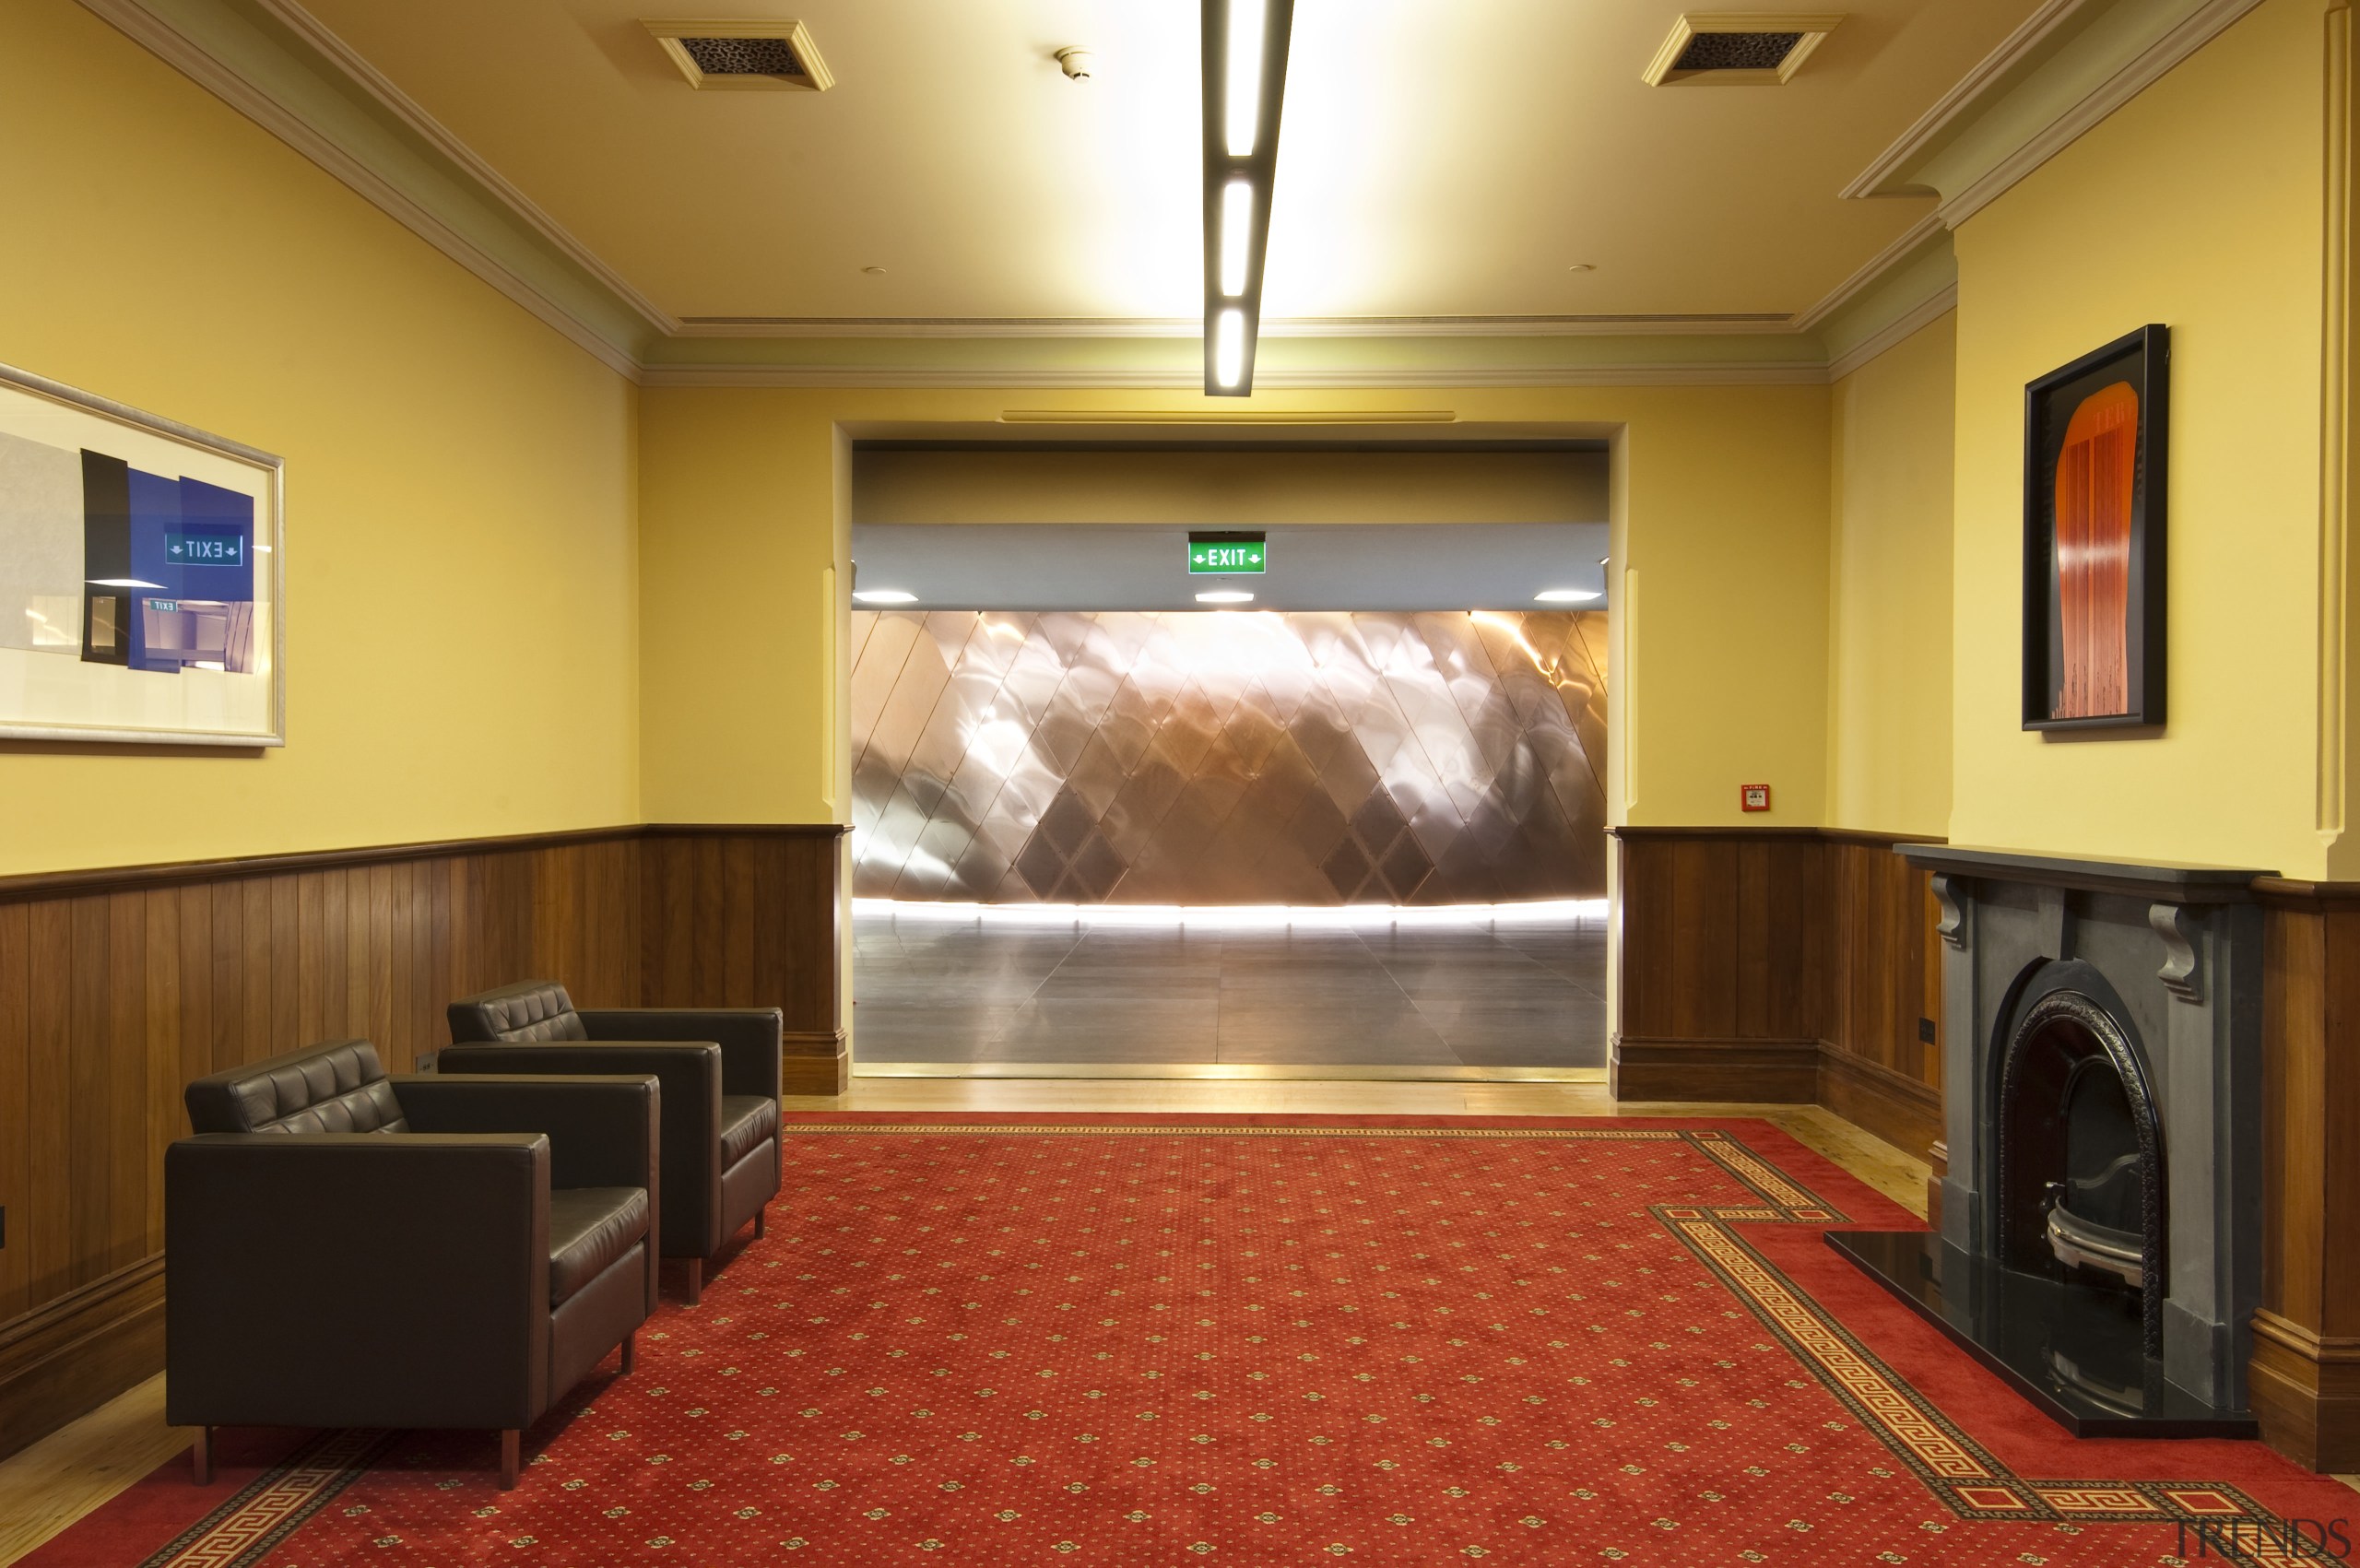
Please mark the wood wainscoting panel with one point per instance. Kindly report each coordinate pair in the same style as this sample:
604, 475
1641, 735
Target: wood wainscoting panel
744, 917
2305, 1369
1780, 964
1724, 963
119, 985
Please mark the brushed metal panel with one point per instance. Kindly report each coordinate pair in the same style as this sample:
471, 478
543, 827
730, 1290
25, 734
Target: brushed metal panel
1191, 757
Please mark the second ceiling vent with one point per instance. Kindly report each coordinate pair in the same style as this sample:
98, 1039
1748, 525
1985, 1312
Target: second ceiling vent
1732, 50
761, 56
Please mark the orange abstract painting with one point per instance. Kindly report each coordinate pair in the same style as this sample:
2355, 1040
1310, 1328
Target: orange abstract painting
2096, 481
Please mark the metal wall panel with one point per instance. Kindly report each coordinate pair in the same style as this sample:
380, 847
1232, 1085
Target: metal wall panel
1195, 757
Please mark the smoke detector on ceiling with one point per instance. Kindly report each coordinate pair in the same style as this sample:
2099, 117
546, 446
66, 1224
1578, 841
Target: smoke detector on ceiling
1738, 50
762, 56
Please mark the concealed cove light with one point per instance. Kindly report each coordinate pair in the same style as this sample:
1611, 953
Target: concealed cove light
885, 597
1225, 597
1564, 596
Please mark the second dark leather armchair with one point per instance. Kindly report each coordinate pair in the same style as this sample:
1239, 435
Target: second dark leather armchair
720, 1072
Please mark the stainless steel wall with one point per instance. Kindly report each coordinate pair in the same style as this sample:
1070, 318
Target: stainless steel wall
1229, 757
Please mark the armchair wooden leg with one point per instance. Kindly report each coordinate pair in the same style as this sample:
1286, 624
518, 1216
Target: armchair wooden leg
200, 1455
761, 1223
696, 1281
630, 1350
509, 1438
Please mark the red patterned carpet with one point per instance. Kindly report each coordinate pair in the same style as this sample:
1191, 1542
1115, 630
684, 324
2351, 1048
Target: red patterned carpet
1262, 1340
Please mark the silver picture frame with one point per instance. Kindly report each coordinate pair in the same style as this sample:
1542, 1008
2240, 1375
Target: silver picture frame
268, 489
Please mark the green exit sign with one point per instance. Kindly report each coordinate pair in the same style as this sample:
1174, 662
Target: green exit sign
1226, 554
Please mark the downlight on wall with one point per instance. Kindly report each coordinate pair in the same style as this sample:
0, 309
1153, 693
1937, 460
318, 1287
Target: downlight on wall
1244, 84
776, 55
1734, 48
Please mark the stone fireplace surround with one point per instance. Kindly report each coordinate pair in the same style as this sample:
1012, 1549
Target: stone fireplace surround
2175, 954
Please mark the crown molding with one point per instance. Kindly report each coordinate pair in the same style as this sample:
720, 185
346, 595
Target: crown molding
279, 66
408, 109
1893, 334
1799, 373
1990, 75
1904, 245
1654, 326
2069, 65
237, 68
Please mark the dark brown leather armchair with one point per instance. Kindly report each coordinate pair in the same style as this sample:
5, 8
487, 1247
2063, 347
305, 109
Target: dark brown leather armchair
342, 1248
720, 1071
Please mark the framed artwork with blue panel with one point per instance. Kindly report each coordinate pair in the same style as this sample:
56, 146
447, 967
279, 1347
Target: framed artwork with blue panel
141, 584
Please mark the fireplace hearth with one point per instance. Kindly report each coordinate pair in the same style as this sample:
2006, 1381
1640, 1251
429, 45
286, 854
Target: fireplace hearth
2100, 1216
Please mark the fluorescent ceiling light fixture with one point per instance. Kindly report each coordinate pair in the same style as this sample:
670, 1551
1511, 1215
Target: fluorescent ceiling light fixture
1249, 22
1229, 348
1564, 596
886, 596
1225, 597
121, 583
1245, 68
1236, 234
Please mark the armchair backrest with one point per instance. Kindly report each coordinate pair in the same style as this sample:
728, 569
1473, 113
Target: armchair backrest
528, 1013
336, 1087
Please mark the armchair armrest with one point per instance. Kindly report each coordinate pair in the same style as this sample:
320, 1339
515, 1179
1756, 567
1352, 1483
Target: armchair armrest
357, 1279
689, 1074
748, 1038
602, 1130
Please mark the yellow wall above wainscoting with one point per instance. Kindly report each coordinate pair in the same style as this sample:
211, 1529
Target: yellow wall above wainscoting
1889, 638
2197, 204
1722, 501
462, 638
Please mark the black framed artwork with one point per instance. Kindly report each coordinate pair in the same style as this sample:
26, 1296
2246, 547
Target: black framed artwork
2095, 464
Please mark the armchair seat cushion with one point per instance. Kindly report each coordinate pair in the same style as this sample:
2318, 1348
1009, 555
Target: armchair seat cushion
589, 1228
746, 1120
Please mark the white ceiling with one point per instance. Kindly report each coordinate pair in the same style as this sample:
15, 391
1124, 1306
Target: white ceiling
1434, 160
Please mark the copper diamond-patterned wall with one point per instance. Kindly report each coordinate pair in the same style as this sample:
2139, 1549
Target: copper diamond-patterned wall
1170, 758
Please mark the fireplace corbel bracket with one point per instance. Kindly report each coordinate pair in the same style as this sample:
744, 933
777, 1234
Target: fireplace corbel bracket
1953, 926
2181, 973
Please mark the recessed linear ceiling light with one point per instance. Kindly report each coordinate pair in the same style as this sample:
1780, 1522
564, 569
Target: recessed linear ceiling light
885, 597
774, 56
1225, 597
1737, 49
1564, 596
1245, 83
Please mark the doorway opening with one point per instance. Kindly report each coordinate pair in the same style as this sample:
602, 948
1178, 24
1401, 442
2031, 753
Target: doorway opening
1352, 826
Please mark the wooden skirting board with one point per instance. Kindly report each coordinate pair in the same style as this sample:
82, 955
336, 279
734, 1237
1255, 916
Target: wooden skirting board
118, 986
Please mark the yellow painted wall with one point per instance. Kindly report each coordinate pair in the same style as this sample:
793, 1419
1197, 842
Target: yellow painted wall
1889, 634
462, 644
2197, 204
1722, 503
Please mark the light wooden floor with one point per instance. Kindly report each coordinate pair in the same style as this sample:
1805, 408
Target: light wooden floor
65, 1476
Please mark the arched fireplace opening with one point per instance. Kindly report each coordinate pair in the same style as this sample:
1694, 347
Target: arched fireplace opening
2082, 1191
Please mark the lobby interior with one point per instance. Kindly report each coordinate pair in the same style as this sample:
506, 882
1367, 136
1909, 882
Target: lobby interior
742, 551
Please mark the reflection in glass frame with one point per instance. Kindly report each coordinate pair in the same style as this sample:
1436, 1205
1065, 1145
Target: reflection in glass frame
2094, 467
141, 576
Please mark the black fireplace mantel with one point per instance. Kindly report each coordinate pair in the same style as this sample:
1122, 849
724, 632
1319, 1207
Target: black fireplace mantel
2163, 881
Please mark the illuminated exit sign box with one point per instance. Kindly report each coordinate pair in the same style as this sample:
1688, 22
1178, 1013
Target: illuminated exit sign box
1226, 555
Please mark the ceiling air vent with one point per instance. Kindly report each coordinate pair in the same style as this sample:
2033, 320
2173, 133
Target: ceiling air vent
1733, 49
762, 57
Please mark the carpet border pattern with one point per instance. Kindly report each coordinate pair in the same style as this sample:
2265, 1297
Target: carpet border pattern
1966, 1478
